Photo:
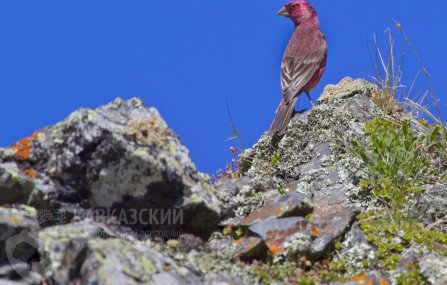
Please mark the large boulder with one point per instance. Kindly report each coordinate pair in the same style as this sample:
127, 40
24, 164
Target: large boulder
120, 156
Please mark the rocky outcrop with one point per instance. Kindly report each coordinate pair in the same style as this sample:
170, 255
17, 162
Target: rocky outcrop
121, 156
111, 196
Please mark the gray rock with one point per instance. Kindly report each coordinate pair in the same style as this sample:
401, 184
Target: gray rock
434, 269
21, 274
18, 231
241, 196
121, 155
370, 278
289, 205
87, 254
15, 187
433, 208
310, 156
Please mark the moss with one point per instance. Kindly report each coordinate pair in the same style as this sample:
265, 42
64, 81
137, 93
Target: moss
411, 276
276, 160
307, 281
338, 245
392, 234
339, 265
267, 274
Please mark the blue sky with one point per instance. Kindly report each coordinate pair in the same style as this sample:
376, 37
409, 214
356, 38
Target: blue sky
187, 58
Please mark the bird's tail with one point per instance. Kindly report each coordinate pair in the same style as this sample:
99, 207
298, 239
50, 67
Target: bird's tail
283, 116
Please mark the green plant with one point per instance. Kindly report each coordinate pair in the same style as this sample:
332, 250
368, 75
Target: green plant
392, 233
395, 158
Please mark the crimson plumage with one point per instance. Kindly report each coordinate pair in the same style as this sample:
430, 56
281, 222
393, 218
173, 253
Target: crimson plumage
304, 60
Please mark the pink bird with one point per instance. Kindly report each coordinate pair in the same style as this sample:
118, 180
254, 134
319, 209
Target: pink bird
303, 63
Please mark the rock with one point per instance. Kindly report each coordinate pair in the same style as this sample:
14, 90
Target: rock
332, 221
123, 156
411, 256
310, 158
346, 88
370, 278
242, 196
250, 248
290, 205
111, 185
276, 232
15, 187
18, 231
434, 269
186, 243
432, 206
356, 250
19, 272
87, 254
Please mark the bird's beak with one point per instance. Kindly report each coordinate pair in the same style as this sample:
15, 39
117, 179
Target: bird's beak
283, 12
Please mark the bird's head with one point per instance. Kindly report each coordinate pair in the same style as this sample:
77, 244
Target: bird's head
298, 11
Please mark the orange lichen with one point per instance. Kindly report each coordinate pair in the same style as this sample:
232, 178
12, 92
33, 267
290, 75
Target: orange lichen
365, 279
31, 173
276, 249
23, 147
360, 277
239, 241
316, 231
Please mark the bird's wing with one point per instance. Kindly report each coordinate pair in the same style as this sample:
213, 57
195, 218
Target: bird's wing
300, 64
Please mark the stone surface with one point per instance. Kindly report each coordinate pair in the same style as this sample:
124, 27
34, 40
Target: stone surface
356, 250
434, 269
250, 248
346, 88
276, 232
369, 278
87, 254
310, 158
331, 221
291, 210
289, 205
15, 186
242, 196
18, 227
121, 155
432, 207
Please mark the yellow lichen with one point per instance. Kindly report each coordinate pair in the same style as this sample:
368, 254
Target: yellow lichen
149, 132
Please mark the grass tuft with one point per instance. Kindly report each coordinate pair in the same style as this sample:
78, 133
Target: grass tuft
397, 159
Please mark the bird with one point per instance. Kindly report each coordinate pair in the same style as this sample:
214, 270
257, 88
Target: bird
303, 63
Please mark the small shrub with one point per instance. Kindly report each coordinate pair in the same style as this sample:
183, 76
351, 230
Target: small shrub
396, 159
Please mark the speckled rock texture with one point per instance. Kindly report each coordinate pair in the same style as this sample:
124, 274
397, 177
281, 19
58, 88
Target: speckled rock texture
70, 194
310, 158
121, 155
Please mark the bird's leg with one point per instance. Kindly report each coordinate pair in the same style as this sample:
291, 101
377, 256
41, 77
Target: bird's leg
310, 99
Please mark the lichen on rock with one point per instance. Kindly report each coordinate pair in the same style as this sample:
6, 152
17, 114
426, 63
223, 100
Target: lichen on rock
289, 216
